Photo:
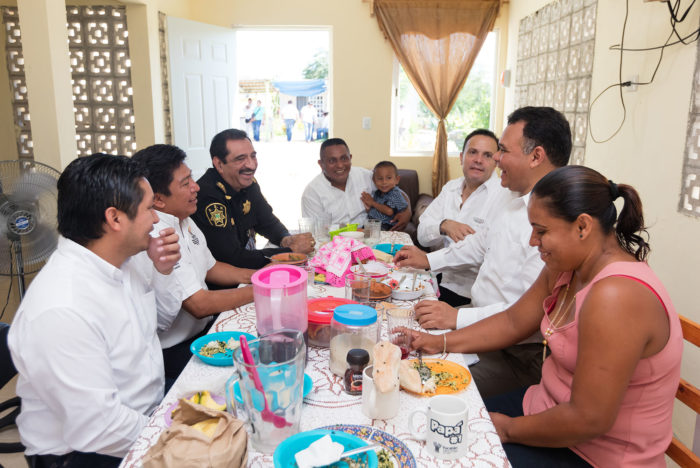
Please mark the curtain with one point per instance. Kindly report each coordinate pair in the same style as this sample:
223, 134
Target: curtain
436, 42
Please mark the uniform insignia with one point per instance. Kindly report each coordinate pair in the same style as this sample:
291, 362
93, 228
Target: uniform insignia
195, 239
228, 197
246, 207
216, 214
233, 223
221, 186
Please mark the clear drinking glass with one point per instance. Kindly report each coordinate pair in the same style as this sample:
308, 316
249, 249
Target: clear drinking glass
373, 229
274, 413
357, 288
397, 318
306, 225
322, 225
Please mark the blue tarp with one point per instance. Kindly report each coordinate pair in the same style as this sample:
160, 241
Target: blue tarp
300, 88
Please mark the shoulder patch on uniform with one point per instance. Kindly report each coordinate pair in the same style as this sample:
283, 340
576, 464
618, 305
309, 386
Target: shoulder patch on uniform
221, 186
246, 207
228, 197
216, 214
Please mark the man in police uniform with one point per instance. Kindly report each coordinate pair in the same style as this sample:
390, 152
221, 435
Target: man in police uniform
231, 208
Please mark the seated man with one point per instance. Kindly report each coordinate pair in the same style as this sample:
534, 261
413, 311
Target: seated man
536, 141
231, 208
175, 200
338, 189
464, 206
84, 338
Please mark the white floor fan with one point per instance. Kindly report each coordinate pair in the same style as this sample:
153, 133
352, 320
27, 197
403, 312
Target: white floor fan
28, 235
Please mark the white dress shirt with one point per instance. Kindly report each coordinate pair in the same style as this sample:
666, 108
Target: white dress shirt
478, 211
509, 265
289, 112
345, 206
89, 360
176, 325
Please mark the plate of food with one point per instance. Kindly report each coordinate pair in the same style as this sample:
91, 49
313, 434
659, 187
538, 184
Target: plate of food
405, 291
285, 451
390, 249
204, 398
289, 258
394, 453
445, 377
376, 270
216, 349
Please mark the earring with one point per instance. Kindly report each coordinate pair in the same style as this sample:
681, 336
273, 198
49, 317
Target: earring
580, 236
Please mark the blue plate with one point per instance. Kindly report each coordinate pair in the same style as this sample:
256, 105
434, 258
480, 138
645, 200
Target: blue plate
398, 450
220, 359
386, 248
308, 385
284, 453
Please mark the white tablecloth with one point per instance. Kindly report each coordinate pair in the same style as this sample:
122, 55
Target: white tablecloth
327, 403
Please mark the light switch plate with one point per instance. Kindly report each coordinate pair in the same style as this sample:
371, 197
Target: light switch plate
366, 123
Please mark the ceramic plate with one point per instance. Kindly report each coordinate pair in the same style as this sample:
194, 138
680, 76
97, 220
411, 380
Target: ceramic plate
459, 381
289, 258
386, 248
168, 416
308, 385
402, 456
284, 453
220, 359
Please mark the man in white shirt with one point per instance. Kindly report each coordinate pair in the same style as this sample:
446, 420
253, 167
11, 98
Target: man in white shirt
536, 141
464, 206
290, 115
308, 116
338, 189
84, 339
175, 198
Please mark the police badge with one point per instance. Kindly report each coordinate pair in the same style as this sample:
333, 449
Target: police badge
216, 214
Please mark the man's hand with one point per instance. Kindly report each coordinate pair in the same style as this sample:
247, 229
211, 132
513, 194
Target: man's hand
436, 314
164, 251
431, 344
411, 256
455, 230
402, 218
299, 243
367, 200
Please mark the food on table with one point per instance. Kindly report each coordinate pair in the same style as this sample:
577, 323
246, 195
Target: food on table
387, 357
218, 346
352, 326
289, 258
411, 380
382, 256
319, 334
449, 377
379, 291
384, 459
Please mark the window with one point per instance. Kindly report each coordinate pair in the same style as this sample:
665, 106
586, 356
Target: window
414, 127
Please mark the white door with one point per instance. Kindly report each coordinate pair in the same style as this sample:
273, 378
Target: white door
202, 86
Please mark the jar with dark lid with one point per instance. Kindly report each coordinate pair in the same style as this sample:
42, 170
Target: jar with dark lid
357, 359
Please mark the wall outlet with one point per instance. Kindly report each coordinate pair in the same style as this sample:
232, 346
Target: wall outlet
366, 123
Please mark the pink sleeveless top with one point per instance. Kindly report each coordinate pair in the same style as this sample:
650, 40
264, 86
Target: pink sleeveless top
642, 431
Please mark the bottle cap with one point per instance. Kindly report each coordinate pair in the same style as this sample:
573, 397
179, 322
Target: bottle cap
357, 357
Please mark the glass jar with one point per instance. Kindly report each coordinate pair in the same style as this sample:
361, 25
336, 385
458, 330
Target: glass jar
357, 360
352, 326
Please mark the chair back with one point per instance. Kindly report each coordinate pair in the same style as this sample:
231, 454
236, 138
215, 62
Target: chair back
690, 396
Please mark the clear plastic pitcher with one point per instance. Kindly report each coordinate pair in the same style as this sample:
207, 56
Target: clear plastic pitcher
280, 299
274, 414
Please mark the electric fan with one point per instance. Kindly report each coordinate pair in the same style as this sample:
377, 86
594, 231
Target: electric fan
27, 217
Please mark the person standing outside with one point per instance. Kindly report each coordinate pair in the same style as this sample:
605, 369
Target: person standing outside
290, 115
257, 119
248, 116
84, 339
308, 116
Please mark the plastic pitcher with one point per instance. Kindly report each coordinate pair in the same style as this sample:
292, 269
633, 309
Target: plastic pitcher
280, 299
278, 364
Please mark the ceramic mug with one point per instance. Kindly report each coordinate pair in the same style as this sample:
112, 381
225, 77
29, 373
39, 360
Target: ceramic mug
445, 431
377, 405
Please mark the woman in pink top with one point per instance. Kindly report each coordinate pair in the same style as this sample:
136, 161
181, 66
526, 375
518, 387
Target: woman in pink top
607, 389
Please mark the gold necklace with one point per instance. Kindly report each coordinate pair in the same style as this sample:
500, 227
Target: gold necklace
558, 318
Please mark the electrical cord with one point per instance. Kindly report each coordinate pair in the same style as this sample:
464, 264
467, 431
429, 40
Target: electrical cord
622, 84
9, 292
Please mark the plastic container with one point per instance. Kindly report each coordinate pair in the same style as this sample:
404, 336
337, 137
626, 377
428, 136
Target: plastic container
352, 326
320, 315
279, 292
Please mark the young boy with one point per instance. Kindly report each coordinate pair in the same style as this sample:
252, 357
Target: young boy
388, 199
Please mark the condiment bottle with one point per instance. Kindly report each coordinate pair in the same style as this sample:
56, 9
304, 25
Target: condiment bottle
357, 359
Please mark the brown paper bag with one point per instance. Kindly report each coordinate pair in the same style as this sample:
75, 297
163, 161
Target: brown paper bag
183, 446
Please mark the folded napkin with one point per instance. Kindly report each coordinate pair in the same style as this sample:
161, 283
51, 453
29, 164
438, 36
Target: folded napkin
335, 258
321, 452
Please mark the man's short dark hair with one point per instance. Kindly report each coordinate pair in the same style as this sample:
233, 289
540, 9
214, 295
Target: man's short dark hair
333, 142
545, 127
90, 185
160, 162
386, 164
479, 131
218, 149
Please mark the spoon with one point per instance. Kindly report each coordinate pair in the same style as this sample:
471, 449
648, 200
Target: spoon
413, 285
266, 414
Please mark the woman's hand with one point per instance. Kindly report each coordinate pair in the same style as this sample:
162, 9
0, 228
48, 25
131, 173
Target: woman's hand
431, 344
436, 314
501, 422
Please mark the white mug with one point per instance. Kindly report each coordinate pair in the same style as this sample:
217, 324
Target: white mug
445, 431
375, 404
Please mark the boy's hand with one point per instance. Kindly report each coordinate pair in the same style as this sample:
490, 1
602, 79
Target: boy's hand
164, 251
455, 230
367, 200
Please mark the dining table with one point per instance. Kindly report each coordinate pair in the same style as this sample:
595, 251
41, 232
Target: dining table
327, 403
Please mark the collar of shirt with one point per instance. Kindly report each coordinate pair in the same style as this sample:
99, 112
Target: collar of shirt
89, 257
